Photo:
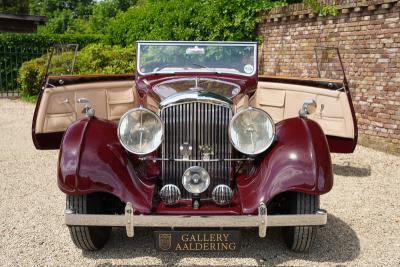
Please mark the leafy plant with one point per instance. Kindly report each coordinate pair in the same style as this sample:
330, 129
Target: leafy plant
50, 7
14, 7
188, 20
34, 40
30, 75
323, 10
103, 11
94, 58
101, 58
57, 24
15, 48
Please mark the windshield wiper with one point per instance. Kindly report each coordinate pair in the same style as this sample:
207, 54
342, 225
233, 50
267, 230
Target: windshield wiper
198, 65
162, 67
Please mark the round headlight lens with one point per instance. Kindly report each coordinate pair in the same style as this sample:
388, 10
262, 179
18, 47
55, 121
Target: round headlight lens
196, 180
251, 131
140, 131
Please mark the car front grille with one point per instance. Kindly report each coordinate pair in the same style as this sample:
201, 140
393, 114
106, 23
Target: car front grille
196, 123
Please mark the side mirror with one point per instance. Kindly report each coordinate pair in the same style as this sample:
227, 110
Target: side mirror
88, 110
309, 107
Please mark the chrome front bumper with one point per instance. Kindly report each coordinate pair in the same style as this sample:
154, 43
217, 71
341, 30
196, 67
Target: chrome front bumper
129, 220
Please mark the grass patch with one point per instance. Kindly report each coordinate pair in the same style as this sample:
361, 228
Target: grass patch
379, 143
29, 99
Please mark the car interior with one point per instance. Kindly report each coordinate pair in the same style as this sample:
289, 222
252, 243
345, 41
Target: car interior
111, 99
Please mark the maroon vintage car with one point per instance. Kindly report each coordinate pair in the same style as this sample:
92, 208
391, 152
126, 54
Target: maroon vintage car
198, 143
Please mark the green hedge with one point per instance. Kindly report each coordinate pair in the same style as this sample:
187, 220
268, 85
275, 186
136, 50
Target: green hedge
30, 76
94, 58
107, 59
35, 40
15, 48
188, 20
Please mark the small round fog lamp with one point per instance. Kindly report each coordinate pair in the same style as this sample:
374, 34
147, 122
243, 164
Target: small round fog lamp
222, 194
170, 194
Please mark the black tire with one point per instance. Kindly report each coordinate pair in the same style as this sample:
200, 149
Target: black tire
301, 238
88, 238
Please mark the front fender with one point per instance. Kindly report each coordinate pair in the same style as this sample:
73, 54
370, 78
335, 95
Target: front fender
299, 160
92, 160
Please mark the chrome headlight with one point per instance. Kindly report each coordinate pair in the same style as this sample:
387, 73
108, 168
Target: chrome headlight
251, 131
140, 131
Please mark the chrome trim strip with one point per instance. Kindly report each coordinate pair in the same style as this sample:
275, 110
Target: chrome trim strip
199, 42
129, 220
195, 160
195, 96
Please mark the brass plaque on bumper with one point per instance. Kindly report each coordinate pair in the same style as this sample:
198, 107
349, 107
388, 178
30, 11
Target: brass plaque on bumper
197, 240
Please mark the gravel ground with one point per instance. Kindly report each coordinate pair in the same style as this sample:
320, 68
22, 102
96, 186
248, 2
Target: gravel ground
363, 223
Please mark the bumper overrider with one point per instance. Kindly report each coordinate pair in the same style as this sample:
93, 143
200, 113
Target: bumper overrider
130, 221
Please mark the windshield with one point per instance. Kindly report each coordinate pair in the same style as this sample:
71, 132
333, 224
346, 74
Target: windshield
221, 57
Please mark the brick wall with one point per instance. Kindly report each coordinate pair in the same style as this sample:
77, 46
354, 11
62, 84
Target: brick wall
367, 34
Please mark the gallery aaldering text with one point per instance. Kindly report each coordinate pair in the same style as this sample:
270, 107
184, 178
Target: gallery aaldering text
206, 241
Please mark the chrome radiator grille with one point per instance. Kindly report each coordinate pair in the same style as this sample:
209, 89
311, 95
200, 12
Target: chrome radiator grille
198, 124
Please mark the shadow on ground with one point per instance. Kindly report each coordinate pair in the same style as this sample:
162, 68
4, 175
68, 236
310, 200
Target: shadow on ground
349, 169
335, 243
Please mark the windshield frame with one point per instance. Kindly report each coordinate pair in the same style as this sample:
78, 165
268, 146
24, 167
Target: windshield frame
199, 43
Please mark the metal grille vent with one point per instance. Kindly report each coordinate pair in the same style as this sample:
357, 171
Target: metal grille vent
198, 124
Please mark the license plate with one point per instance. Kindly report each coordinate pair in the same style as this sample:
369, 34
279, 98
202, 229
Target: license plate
197, 240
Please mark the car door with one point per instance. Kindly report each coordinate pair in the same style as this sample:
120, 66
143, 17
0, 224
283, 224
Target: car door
57, 105
282, 98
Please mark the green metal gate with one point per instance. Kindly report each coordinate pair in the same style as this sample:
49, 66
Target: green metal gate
11, 60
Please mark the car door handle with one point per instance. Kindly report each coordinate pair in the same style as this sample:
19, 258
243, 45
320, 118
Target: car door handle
321, 109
